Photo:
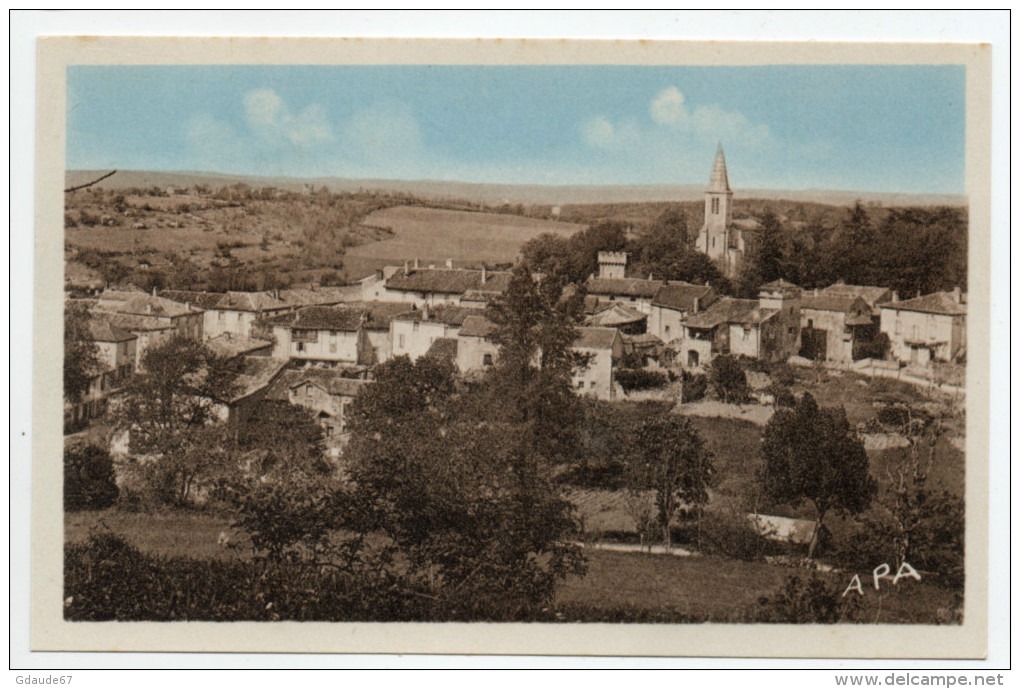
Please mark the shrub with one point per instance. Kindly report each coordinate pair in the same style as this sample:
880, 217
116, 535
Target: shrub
89, 482
639, 379
695, 385
727, 530
814, 601
781, 394
729, 382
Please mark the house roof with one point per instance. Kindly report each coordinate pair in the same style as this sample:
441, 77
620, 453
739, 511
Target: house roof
615, 315
230, 345
250, 301
327, 318
144, 305
331, 381
595, 338
680, 296
103, 331
479, 295
203, 300
448, 314
477, 326
448, 281
727, 310
870, 294
321, 295
258, 372
838, 303
779, 285
138, 324
443, 348
642, 340
941, 303
623, 287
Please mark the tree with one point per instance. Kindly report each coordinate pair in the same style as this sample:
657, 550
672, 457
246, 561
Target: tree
89, 481
728, 380
535, 328
670, 459
813, 454
81, 355
764, 261
278, 434
170, 412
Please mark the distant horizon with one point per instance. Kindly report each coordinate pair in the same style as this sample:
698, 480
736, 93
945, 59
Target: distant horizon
884, 128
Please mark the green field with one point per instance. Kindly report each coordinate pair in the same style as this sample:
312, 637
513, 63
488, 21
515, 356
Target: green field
435, 235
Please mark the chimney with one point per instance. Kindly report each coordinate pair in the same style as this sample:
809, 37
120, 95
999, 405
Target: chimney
154, 290
895, 296
697, 303
649, 277
957, 296
406, 268
425, 312
484, 276
449, 264
816, 291
416, 264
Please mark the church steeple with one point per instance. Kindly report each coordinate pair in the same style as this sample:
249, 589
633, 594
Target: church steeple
719, 182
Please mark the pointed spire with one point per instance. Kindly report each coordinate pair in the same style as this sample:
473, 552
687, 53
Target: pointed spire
720, 181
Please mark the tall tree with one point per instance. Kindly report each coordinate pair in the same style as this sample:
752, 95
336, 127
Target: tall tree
81, 355
670, 459
813, 454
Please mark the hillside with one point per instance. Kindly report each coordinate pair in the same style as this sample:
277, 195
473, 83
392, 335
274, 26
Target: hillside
496, 194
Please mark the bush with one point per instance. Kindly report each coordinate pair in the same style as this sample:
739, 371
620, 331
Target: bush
781, 394
695, 385
639, 379
89, 482
729, 382
727, 530
814, 601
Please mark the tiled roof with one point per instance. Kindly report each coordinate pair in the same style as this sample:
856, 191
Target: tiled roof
331, 381
450, 315
250, 301
595, 338
779, 285
258, 372
443, 348
203, 300
328, 318
727, 310
137, 323
943, 303
623, 287
144, 305
644, 339
321, 295
103, 331
448, 281
680, 296
615, 315
825, 302
230, 345
477, 326
866, 292
479, 295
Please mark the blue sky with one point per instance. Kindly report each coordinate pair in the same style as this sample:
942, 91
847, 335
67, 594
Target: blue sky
864, 128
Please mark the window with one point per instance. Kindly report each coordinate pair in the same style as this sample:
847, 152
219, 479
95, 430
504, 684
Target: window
899, 325
580, 385
810, 323
487, 360
400, 341
789, 331
414, 326
592, 385
667, 331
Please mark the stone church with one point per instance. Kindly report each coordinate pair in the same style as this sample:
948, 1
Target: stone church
719, 238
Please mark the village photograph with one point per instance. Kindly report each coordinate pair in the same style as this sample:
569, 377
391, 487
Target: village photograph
564, 344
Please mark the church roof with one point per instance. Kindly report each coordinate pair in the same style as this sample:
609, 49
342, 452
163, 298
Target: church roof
720, 181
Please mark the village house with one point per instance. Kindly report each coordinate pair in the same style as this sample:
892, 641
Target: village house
624, 318
603, 347
414, 333
250, 387
834, 326
204, 300
186, 319
233, 312
476, 352
874, 297
230, 345
325, 393
432, 286
672, 303
117, 357
928, 328
766, 328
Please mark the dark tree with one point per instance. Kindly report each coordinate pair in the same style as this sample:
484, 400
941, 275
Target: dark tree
813, 454
89, 481
670, 459
81, 356
728, 380
279, 435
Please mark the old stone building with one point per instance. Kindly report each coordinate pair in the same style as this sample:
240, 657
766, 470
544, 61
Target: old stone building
929, 328
719, 238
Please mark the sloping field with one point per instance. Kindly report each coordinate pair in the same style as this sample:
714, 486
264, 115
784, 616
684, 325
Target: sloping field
435, 235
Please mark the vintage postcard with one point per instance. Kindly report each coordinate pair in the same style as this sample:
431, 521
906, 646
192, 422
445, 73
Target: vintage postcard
511, 347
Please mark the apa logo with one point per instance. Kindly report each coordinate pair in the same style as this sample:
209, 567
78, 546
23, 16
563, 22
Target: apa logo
882, 572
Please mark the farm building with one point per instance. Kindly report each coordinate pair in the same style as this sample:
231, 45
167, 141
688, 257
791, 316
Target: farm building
414, 333
432, 286
186, 319
603, 347
672, 303
326, 393
834, 326
928, 328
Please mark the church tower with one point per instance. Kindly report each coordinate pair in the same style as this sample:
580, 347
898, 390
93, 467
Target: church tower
714, 238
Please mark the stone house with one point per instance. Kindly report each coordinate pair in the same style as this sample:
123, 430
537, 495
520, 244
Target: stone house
834, 326
603, 347
874, 297
237, 313
186, 319
117, 359
672, 303
251, 387
433, 286
325, 393
414, 333
476, 352
929, 328
322, 334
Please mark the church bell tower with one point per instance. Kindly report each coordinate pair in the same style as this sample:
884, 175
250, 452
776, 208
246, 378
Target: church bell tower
714, 238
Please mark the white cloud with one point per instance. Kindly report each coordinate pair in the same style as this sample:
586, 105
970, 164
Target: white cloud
597, 131
382, 136
269, 116
668, 107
